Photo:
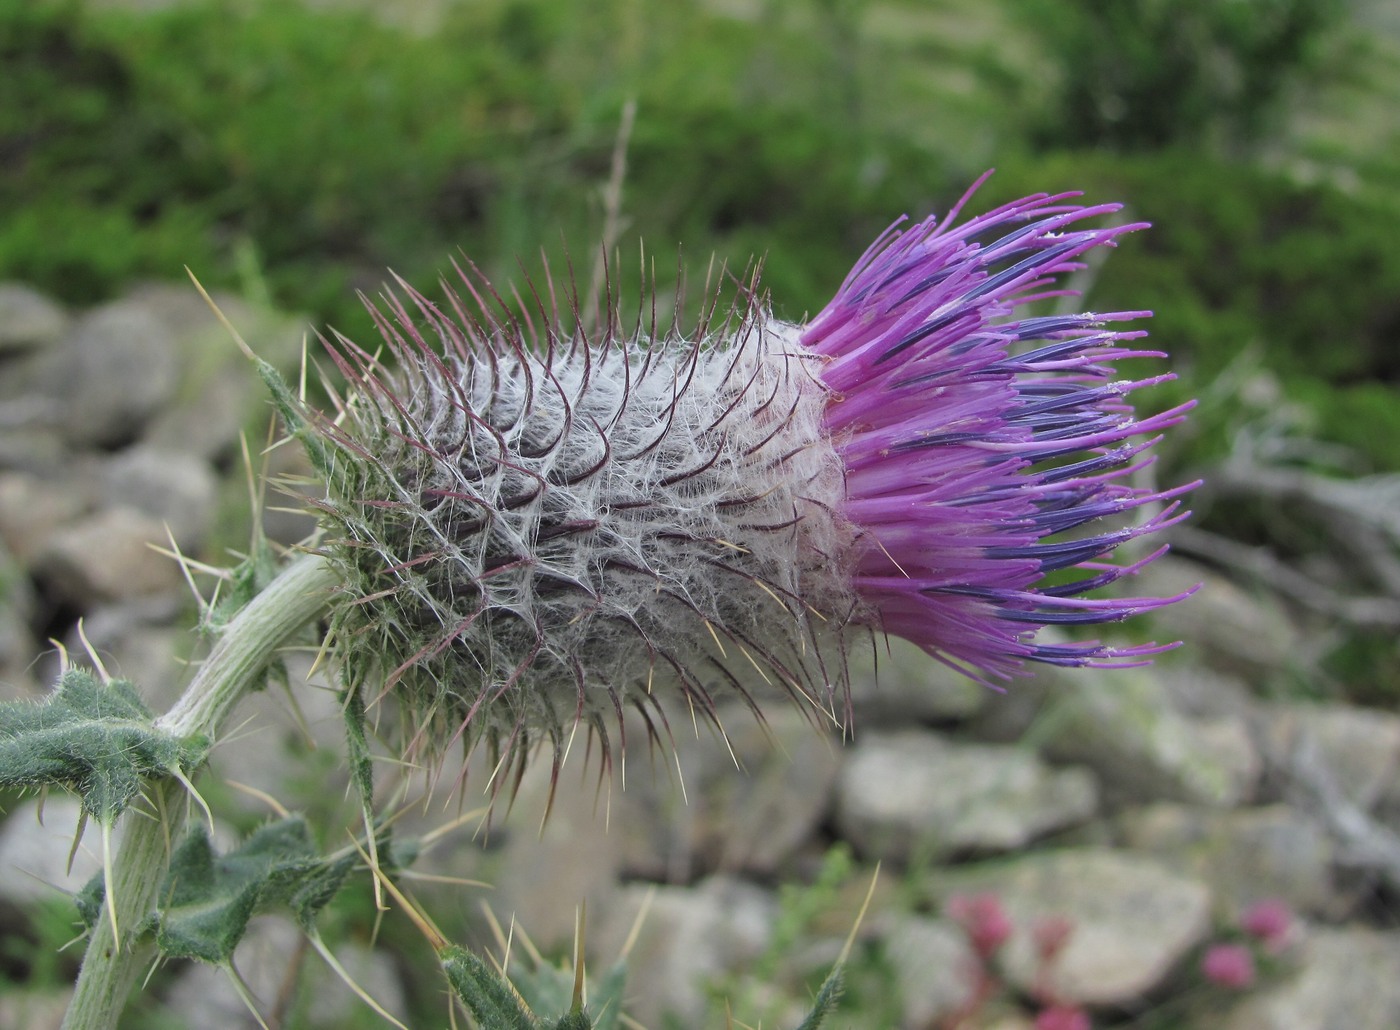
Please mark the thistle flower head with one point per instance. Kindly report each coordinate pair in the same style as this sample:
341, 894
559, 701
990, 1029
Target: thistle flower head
542, 524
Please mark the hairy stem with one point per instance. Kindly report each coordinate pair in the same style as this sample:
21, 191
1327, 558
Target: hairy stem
236, 664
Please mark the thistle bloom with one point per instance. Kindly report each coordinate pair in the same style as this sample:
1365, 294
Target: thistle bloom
541, 524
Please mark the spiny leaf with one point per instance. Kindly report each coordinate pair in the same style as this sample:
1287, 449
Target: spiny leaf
206, 915
362, 773
209, 898
545, 987
96, 739
356, 742
89, 900
489, 996
293, 414
574, 1021
549, 988
314, 890
606, 997
827, 998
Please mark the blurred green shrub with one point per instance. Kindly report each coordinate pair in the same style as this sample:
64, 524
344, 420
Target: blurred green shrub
336, 145
143, 142
1135, 74
329, 146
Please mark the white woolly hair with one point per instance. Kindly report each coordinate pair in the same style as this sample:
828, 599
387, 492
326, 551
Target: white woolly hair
541, 536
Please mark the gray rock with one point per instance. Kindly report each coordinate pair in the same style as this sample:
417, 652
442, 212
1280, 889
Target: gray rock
28, 318
33, 509
1133, 920
906, 794
34, 854
1346, 981
17, 645
218, 394
115, 368
689, 937
1388, 804
1356, 749
1246, 855
175, 487
743, 802
526, 868
107, 557
1019, 711
899, 684
289, 740
931, 959
34, 448
33, 1009
1121, 724
1199, 692
537, 870
649, 820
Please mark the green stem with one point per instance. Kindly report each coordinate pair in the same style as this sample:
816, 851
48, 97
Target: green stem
236, 664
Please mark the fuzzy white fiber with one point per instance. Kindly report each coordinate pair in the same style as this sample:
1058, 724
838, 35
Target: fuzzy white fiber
601, 525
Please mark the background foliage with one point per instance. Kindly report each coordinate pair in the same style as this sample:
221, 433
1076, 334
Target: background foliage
309, 149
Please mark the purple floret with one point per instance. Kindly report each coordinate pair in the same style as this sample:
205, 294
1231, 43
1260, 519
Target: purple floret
979, 446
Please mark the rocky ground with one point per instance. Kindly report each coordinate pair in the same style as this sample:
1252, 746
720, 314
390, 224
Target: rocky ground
1144, 809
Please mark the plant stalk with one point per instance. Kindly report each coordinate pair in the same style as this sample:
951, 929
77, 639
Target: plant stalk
237, 663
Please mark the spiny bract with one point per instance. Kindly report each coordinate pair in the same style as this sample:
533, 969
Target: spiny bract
542, 525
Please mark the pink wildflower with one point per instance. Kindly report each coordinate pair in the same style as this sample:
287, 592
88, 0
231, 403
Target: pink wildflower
1270, 922
1062, 1017
983, 920
1229, 965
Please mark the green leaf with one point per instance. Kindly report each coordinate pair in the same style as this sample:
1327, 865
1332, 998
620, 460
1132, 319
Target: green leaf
574, 1021
315, 889
89, 900
96, 739
357, 744
550, 988
827, 998
489, 996
361, 768
546, 987
293, 413
605, 997
209, 898
207, 914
